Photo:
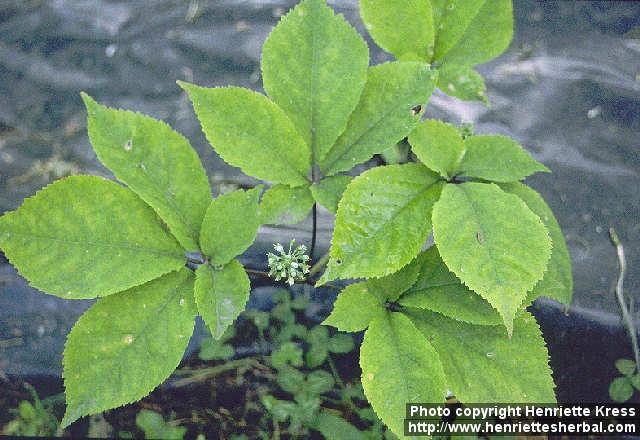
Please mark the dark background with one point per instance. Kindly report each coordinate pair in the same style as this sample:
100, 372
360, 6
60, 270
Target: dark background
568, 89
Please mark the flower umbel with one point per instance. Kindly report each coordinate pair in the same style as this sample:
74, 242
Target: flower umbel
291, 266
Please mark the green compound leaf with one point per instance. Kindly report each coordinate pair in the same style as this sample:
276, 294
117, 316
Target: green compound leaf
250, 132
154, 161
471, 32
463, 82
221, 295
439, 290
127, 344
376, 230
101, 236
355, 308
390, 287
223, 236
314, 66
329, 190
399, 366
390, 107
497, 158
401, 27
493, 242
284, 205
557, 282
483, 365
439, 146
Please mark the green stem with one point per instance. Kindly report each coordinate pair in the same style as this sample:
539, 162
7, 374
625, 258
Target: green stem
626, 316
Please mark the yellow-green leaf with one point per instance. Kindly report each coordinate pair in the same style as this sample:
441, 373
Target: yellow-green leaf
439, 290
252, 133
483, 365
127, 344
557, 282
156, 162
85, 236
399, 366
493, 242
314, 66
382, 222
230, 225
401, 27
390, 107
284, 205
221, 295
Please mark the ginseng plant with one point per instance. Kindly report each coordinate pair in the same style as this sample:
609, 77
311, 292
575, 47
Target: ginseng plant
439, 320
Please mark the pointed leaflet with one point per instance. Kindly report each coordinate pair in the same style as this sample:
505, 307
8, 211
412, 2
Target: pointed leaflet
439, 290
284, 205
493, 242
388, 110
221, 295
401, 27
250, 132
154, 161
101, 236
382, 222
390, 287
230, 225
127, 344
399, 366
471, 32
462, 82
314, 66
557, 282
438, 145
329, 190
497, 158
355, 308
483, 365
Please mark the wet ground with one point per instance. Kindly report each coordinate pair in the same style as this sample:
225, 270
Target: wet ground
568, 89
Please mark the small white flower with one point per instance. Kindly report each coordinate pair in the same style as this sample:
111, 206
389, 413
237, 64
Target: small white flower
290, 266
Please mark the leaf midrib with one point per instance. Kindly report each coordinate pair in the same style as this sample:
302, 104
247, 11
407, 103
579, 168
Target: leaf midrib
96, 244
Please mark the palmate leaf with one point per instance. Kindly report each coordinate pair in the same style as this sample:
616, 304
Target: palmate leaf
329, 190
399, 366
376, 230
471, 32
127, 344
284, 205
439, 146
221, 295
401, 27
223, 235
390, 107
390, 287
250, 132
157, 163
439, 290
493, 242
360, 303
314, 66
483, 365
557, 282
100, 236
497, 158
